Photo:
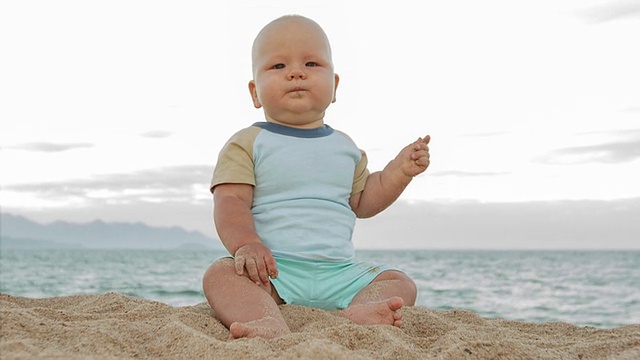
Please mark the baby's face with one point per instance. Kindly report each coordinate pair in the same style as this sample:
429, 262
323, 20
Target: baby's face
293, 73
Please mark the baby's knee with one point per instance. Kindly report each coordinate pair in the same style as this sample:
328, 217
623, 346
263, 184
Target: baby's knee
218, 269
408, 281
395, 275
406, 286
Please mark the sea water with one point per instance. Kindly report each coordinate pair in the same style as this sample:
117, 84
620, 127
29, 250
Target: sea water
586, 288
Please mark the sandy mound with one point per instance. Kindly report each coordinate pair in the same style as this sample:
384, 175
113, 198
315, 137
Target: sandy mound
118, 326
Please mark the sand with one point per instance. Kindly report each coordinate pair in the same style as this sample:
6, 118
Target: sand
113, 325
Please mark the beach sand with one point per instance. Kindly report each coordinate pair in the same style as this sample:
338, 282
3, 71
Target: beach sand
118, 326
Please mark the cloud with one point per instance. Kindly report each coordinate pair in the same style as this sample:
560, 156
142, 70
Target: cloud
614, 152
165, 196
460, 173
629, 134
51, 147
487, 134
174, 183
156, 134
612, 11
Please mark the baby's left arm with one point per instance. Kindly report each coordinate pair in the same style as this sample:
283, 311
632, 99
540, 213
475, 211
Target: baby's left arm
384, 187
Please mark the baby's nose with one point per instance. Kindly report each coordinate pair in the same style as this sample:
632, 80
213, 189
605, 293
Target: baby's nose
296, 73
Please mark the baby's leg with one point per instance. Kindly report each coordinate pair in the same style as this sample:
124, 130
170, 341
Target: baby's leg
379, 302
247, 309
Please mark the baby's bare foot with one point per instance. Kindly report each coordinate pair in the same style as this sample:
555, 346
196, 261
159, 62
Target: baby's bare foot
267, 327
383, 312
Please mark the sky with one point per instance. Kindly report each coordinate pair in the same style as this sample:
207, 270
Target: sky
116, 110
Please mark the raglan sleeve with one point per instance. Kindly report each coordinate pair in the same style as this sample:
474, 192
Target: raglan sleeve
235, 161
361, 174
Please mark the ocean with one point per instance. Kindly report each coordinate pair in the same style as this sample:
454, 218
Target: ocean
585, 288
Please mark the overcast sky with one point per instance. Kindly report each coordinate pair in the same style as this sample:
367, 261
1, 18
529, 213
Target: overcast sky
116, 110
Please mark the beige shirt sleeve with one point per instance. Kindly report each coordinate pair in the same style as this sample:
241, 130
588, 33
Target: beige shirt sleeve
235, 161
361, 174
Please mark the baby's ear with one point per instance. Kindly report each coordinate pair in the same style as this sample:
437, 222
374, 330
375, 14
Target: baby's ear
254, 94
335, 86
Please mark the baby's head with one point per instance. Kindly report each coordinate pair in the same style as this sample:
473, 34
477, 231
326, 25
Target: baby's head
289, 24
293, 78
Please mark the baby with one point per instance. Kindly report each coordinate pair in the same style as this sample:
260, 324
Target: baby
287, 193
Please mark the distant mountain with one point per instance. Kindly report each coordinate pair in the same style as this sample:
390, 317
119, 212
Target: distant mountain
20, 232
7, 242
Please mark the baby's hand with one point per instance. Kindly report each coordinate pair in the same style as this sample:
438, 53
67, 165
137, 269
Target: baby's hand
258, 261
414, 159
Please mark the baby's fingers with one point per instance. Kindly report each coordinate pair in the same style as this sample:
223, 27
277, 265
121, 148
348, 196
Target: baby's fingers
252, 270
263, 275
272, 269
419, 154
423, 161
239, 262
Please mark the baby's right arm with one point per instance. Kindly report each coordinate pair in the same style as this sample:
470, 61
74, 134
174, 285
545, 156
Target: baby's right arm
234, 222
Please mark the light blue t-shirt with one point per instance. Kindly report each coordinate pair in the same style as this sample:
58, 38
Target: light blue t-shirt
303, 180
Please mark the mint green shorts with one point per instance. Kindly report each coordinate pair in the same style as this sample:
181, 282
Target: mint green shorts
323, 285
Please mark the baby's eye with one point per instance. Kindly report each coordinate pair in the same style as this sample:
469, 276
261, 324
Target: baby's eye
278, 66
311, 63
